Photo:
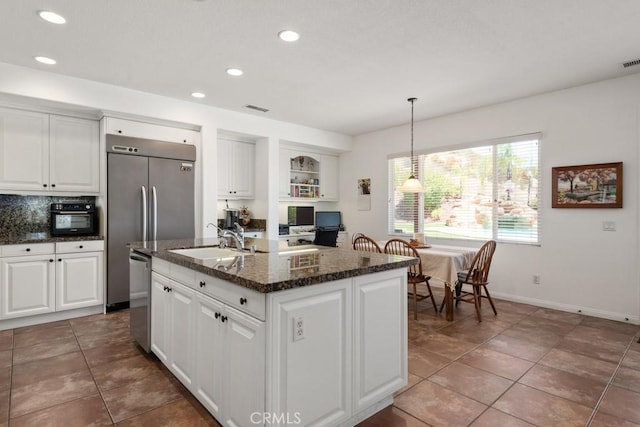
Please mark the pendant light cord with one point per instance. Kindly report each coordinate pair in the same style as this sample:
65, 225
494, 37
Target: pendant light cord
412, 100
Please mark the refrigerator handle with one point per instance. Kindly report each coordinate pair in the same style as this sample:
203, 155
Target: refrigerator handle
144, 214
155, 212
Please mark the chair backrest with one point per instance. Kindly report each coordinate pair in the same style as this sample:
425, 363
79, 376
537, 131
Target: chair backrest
479, 269
326, 238
402, 247
355, 236
367, 244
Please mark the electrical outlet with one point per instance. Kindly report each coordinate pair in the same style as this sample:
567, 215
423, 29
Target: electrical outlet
298, 328
608, 226
536, 279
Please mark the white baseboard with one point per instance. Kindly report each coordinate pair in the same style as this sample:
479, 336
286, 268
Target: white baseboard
20, 322
620, 317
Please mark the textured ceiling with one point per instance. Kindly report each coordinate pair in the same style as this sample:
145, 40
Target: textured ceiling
357, 60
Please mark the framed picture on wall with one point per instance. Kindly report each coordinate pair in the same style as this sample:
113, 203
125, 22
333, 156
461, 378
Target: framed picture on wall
587, 186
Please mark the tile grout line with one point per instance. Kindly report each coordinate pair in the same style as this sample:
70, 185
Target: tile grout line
92, 376
609, 383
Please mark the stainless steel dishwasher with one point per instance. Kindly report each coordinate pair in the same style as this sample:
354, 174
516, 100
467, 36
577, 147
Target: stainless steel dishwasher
140, 298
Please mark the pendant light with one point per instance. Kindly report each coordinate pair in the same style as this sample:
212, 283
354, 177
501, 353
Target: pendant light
412, 185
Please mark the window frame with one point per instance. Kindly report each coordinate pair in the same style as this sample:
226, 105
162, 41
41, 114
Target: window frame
495, 179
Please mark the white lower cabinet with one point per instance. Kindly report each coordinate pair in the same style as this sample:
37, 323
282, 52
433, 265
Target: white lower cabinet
330, 354
172, 314
28, 285
79, 279
311, 359
380, 351
44, 278
230, 362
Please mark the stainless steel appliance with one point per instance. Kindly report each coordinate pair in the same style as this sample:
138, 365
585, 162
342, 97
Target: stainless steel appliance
140, 299
231, 217
73, 219
150, 196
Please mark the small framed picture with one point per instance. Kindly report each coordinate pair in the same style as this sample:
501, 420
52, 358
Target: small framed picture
587, 186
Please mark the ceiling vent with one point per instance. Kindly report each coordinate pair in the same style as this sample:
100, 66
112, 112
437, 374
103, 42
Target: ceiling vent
254, 107
631, 63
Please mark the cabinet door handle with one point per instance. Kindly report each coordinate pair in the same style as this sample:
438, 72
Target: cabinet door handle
202, 283
165, 288
53, 185
59, 259
169, 289
217, 315
223, 318
81, 246
243, 301
44, 185
50, 260
28, 249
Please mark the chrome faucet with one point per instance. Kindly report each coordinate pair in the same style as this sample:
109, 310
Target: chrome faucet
237, 236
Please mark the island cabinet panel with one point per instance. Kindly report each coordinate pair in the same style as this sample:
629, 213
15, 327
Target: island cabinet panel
380, 351
230, 363
172, 320
209, 357
329, 354
244, 379
311, 355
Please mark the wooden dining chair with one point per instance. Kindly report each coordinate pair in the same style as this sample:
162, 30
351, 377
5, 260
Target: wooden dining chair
355, 236
366, 244
414, 273
477, 276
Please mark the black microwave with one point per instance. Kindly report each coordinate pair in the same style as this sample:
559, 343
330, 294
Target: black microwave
73, 219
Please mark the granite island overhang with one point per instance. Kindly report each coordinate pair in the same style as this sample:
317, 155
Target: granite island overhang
310, 336
270, 269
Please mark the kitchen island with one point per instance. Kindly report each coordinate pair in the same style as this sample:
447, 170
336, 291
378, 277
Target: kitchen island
295, 336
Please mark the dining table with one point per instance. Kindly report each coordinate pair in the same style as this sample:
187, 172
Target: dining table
442, 263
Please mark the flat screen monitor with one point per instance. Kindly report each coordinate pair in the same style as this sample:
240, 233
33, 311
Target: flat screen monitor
300, 215
328, 220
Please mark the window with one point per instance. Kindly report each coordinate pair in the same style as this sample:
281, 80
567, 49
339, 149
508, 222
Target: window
485, 191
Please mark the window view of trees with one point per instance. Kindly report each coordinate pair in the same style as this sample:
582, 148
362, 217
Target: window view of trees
489, 191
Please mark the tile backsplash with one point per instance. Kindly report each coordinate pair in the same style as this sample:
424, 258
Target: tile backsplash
29, 214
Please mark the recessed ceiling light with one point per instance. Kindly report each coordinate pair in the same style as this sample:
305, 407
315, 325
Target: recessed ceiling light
52, 17
235, 72
45, 60
198, 94
288, 35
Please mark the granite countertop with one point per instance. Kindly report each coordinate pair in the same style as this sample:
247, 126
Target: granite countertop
270, 272
43, 237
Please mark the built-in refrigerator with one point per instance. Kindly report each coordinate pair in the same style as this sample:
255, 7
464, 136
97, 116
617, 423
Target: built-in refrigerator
150, 196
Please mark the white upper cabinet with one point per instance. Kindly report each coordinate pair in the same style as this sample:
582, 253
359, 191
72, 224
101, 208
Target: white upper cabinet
328, 177
24, 150
236, 169
74, 154
43, 152
115, 126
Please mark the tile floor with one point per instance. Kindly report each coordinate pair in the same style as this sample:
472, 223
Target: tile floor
526, 366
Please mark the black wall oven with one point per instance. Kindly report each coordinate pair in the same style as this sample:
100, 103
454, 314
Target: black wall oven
73, 219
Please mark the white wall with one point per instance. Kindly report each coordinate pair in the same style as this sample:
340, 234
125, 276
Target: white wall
581, 267
27, 82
